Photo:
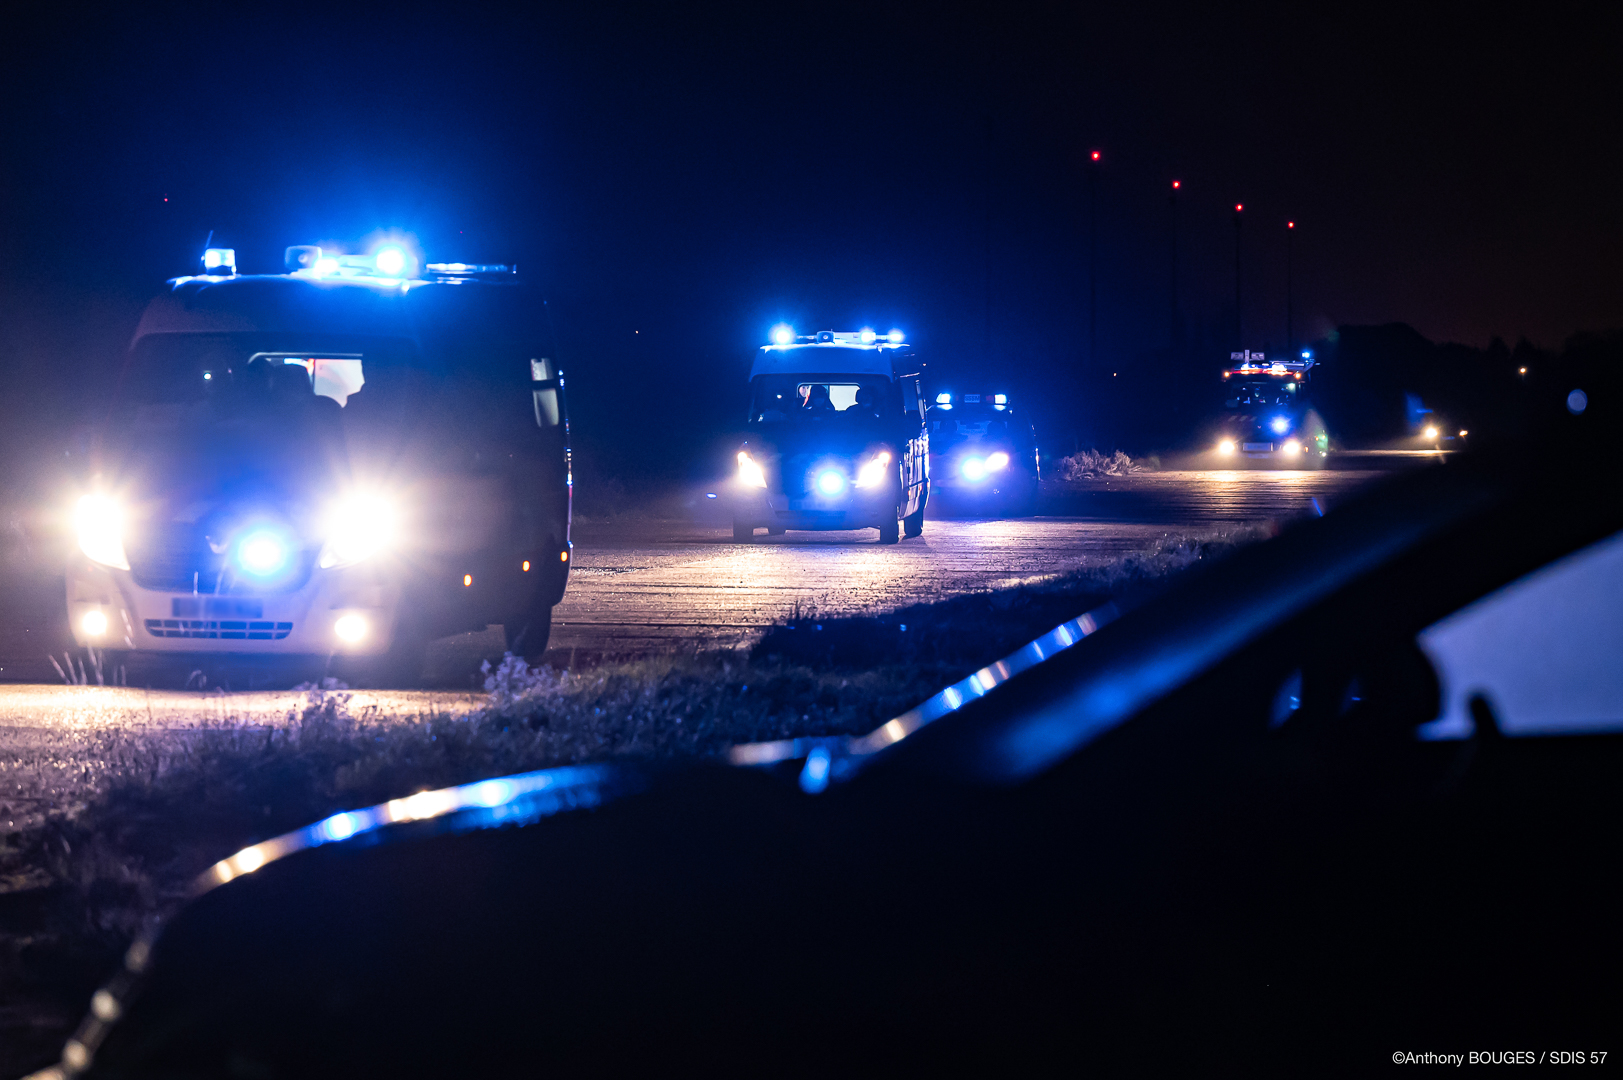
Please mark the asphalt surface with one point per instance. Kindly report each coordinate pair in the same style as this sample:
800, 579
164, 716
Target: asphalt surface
643, 587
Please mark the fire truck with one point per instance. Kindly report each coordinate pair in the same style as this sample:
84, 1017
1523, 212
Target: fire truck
1268, 412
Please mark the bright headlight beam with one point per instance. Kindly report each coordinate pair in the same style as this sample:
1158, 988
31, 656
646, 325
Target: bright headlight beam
100, 529
872, 473
350, 628
973, 469
749, 473
357, 529
1225, 446
996, 461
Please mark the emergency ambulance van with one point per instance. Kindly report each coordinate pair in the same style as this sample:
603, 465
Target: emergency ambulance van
346, 460
835, 437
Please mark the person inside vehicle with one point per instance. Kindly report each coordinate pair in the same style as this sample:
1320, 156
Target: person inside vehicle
866, 406
817, 400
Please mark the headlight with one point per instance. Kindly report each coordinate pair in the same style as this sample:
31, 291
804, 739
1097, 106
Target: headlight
996, 461
872, 473
1225, 446
974, 469
357, 529
1431, 432
1292, 446
749, 473
101, 531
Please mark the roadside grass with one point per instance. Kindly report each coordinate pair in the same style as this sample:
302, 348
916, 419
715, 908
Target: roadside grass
164, 804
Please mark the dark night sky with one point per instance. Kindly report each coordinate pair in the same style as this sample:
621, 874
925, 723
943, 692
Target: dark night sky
698, 174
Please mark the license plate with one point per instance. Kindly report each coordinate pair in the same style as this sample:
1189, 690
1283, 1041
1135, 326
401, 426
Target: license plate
1258, 446
211, 607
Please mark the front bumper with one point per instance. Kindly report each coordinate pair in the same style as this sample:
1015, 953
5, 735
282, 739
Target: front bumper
301, 622
857, 508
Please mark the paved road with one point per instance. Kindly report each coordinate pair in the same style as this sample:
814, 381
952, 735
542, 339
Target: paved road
665, 586
642, 587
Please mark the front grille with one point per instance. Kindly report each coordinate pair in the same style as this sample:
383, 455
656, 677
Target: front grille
221, 628
177, 558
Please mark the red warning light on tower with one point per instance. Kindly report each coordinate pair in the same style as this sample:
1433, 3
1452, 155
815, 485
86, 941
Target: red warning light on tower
1176, 184
1238, 207
1095, 155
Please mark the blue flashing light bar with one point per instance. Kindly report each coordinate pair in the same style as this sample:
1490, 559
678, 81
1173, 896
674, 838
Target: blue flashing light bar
220, 260
943, 399
458, 269
783, 334
894, 337
390, 261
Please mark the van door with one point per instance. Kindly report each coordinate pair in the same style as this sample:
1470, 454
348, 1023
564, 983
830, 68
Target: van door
916, 454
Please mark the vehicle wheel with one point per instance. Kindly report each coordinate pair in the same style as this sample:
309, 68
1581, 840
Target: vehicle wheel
913, 524
528, 638
890, 531
775, 530
1024, 502
742, 533
400, 668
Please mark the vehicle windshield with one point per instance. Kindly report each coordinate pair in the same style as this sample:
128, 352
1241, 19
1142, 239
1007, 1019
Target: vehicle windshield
1263, 392
365, 385
800, 399
983, 423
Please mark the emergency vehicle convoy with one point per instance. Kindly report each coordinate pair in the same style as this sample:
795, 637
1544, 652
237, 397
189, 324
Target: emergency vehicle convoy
348, 459
1269, 413
983, 454
835, 437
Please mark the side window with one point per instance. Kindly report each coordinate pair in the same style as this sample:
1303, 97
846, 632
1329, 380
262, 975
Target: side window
1545, 652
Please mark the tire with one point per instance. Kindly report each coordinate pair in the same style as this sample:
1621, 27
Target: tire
742, 533
775, 530
528, 639
401, 668
913, 524
1024, 502
890, 531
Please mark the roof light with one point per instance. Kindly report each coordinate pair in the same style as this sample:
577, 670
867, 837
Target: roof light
783, 334
943, 399
894, 337
1000, 399
458, 268
1307, 354
325, 265
868, 336
390, 261
302, 257
220, 260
